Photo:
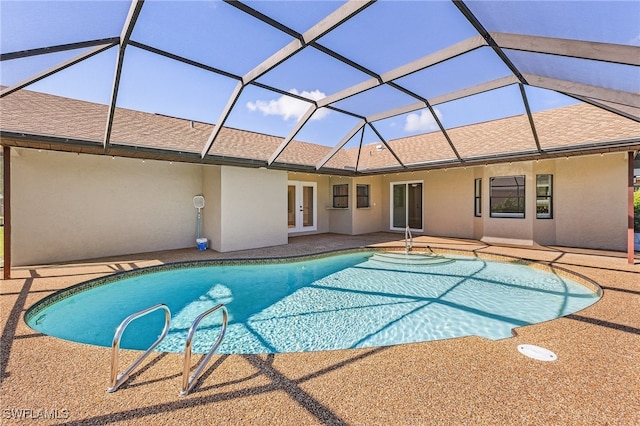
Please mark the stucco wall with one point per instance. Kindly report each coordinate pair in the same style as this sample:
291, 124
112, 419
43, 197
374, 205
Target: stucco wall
253, 207
212, 213
367, 220
591, 202
448, 205
69, 207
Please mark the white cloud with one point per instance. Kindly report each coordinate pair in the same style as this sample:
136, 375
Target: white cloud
422, 122
287, 107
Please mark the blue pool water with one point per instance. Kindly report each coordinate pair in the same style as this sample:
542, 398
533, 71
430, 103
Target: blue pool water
336, 302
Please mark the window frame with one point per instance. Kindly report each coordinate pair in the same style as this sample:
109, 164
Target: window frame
339, 198
365, 197
520, 197
477, 197
547, 197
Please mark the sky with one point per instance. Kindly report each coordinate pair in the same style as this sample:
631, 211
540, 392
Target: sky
381, 38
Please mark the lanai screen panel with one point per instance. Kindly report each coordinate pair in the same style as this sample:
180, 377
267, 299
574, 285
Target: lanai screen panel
175, 117
610, 21
26, 25
414, 137
389, 34
295, 82
296, 15
211, 33
52, 107
495, 123
313, 74
579, 22
456, 74
46, 115
590, 72
327, 130
572, 123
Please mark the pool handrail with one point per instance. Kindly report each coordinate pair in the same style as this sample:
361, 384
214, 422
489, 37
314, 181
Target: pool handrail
117, 380
188, 382
408, 240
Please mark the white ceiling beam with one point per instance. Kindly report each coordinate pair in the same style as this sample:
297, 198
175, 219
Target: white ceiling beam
273, 61
404, 70
435, 58
397, 111
344, 140
303, 120
469, 91
474, 90
334, 19
64, 65
223, 118
621, 110
607, 52
125, 35
348, 92
586, 90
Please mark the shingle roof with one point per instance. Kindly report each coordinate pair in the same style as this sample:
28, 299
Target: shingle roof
33, 113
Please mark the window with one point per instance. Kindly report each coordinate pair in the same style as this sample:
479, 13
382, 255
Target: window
506, 198
477, 209
362, 196
341, 196
544, 188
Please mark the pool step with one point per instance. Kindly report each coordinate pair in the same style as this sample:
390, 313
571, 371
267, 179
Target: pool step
410, 258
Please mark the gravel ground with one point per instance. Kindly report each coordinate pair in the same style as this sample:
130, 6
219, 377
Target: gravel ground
595, 381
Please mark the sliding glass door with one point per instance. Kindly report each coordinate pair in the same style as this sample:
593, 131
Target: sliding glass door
406, 205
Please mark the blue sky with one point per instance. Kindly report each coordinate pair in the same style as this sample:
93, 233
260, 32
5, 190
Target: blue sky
381, 38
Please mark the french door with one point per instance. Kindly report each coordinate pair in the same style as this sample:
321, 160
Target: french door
302, 211
406, 205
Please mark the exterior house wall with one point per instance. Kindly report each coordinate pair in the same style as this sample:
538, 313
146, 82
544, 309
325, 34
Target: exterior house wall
70, 207
212, 212
448, 205
253, 205
591, 201
365, 220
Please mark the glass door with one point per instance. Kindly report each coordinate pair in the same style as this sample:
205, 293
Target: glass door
406, 205
302, 213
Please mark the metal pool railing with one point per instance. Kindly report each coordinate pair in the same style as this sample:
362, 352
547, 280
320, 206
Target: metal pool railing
117, 380
408, 240
188, 382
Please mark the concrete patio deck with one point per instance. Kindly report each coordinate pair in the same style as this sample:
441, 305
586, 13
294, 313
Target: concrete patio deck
596, 379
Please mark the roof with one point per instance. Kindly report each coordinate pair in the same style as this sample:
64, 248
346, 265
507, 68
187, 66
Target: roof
433, 83
34, 118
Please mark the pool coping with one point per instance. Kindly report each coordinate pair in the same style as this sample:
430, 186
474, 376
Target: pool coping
75, 289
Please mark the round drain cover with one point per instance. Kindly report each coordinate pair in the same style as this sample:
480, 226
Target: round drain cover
536, 352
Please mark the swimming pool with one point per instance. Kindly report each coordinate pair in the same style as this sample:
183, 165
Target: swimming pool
342, 301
